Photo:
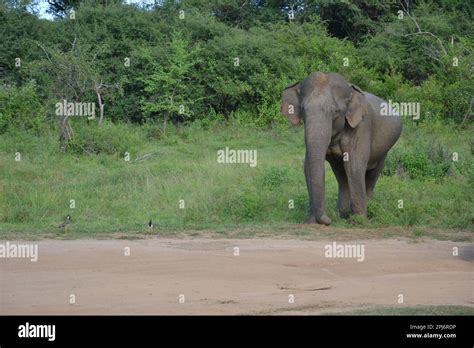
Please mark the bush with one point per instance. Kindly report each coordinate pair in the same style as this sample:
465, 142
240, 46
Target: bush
416, 165
273, 177
108, 139
429, 161
20, 108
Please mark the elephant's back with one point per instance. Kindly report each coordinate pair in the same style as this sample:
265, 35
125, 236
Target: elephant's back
386, 127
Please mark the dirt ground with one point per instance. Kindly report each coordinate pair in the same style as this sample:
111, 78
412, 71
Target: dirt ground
259, 280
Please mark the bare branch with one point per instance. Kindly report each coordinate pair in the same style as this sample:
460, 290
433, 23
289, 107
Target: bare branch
45, 52
405, 4
74, 43
468, 114
412, 17
432, 53
146, 156
432, 35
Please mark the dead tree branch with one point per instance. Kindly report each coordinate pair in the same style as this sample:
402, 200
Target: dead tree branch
405, 4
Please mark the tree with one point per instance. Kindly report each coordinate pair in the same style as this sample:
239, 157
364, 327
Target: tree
60, 8
74, 76
169, 87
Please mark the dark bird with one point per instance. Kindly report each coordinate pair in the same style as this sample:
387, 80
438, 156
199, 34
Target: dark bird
150, 226
66, 222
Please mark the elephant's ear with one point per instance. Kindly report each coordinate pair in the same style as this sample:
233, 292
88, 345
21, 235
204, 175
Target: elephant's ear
357, 107
290, 103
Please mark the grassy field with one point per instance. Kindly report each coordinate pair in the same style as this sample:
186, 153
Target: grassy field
113, 195
324, 309
414, 310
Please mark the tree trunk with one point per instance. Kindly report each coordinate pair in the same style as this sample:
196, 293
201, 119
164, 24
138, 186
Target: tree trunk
165, 122
101, 104
66, 134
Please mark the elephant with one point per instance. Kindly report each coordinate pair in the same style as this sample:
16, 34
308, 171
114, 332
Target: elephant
344, 126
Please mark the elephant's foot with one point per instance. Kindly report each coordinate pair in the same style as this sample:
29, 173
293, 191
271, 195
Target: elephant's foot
359, 209
344, 210
361, 212
323, 220
344, 214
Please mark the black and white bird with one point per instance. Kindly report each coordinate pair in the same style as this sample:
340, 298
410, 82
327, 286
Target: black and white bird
66, 222
150, 226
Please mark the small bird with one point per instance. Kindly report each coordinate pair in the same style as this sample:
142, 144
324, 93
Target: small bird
66, 222
150, 226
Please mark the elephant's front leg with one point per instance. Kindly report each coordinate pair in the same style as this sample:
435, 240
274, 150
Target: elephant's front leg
312, 217
355, 171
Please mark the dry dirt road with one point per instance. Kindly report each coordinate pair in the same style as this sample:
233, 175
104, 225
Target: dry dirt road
260, 280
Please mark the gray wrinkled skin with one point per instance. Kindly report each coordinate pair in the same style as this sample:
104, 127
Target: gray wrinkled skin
344, 126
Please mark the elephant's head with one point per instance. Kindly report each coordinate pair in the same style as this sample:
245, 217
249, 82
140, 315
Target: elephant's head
326, 103
328, 95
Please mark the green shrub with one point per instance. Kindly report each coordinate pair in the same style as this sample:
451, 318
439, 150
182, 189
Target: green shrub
273, 177
429, 161
416, 165
468, 170
243, 206
250, 206
107, 138
20, 108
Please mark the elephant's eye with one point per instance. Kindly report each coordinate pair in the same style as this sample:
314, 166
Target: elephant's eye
338, 110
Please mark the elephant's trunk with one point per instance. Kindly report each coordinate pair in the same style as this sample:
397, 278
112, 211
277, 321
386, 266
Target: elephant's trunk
318, 129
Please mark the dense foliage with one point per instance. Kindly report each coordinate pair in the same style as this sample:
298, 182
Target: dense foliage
190, 60
179, 80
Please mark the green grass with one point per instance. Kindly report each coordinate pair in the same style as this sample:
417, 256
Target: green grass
112, 195
413, 310
329, 308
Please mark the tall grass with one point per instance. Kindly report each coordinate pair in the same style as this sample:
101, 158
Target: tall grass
112, 194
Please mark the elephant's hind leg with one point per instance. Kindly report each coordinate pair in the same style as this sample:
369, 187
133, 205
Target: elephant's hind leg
343, 198
371, 177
